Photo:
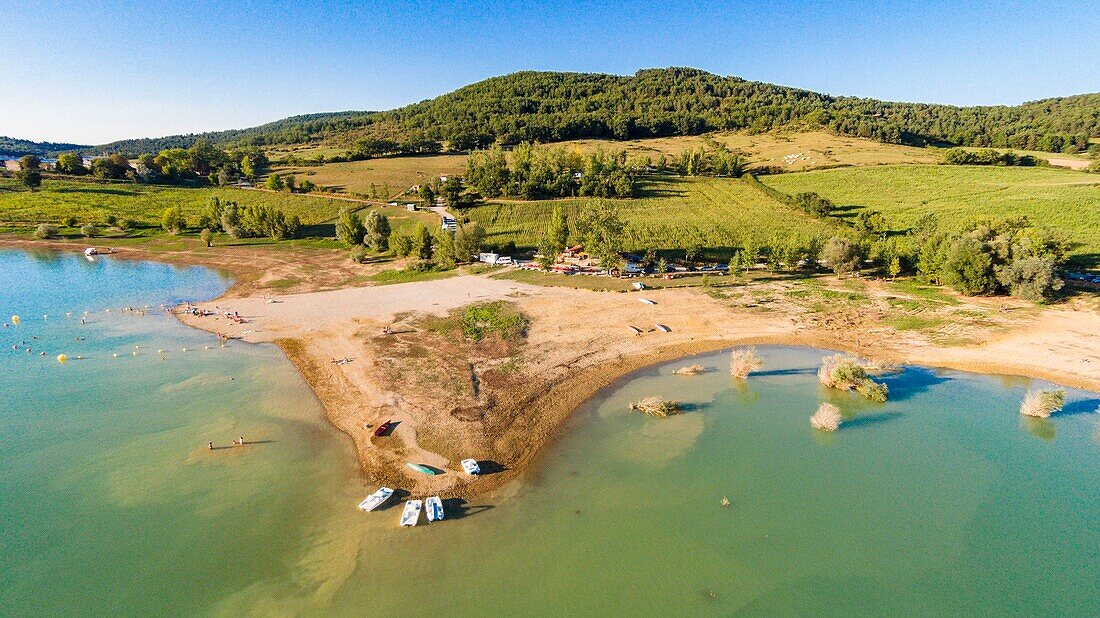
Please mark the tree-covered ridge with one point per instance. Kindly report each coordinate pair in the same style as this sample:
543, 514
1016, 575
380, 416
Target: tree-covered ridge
14, 147
292, 130
550, 107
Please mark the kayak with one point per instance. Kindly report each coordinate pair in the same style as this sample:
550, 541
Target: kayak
383, 428
422, 469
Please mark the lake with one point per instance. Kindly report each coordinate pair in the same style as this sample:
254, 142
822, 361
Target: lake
942, 501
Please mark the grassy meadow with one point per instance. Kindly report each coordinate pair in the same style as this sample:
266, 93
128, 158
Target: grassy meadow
399, 173
88, 202
672, 213
1062, 199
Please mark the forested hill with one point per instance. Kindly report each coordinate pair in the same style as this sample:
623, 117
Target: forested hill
292, 130
13, 147
549, 107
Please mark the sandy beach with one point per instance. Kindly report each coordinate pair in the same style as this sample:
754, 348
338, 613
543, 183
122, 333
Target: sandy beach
578, 342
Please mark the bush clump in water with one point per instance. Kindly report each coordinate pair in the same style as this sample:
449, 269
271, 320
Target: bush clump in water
846, 373
827, 418
744, 361
655, 405
1042, 404
690, 370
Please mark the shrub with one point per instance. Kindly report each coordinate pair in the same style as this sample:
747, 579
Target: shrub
846, 373
88, 230
45, 231
1043, 403
745, 361
1030, 278
690, 370
841, 254
359, 254
69, 222
207, 236
172, 221
655, 405
401, 244
111, 221
827, 417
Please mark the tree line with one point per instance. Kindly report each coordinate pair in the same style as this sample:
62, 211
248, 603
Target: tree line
541, 172
552, 107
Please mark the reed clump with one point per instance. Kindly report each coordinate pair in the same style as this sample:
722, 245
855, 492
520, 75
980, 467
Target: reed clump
744, 361
655, 405
845, 373
1042, 404
690, 370
827, 418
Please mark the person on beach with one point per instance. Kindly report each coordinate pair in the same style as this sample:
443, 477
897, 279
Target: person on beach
242, 440
210, 445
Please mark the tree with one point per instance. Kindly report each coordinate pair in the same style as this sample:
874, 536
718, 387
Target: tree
401, 244
88, 230
602, 229
1030, 278
468, 241
289, 183
427, 195
71, 163
871, 222
444, 250
207, 236
377, 231
451, 190
274, 182
422, 242
349, 228
559, 230
30, 173
842, 255
172, 221
968, 268
736, 268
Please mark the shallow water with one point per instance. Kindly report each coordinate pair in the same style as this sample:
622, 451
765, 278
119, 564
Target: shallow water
942, 501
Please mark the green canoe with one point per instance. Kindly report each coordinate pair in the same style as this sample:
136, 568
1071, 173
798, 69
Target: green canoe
420, 468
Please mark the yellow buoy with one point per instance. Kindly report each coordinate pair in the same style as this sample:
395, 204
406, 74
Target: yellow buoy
61, 358
15, 319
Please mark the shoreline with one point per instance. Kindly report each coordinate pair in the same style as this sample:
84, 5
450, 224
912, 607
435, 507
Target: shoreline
591, 361
576, 346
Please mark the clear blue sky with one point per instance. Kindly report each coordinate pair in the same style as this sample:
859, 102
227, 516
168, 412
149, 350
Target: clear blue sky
98, 71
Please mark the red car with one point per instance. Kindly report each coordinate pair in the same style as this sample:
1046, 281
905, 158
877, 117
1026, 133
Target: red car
383, 428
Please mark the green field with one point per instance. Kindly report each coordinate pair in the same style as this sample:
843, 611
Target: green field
57, 200
673, 213
1062, 199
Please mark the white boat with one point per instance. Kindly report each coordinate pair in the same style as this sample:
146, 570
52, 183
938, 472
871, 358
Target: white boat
663, 328
647, 301
434, 508
411, 514
469, 466
376, 499
90, 251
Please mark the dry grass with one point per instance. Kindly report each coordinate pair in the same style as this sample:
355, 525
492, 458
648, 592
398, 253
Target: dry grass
846, 373
655, 405
690, 370
827, 418
1042, 404
744, 361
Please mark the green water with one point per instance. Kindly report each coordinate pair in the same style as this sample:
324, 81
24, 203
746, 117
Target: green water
941, 502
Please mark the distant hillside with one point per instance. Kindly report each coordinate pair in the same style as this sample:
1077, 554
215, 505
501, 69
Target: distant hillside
293, 130
13, 147
550, 107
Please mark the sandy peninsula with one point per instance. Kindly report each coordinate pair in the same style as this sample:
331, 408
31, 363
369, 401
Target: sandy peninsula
454, 399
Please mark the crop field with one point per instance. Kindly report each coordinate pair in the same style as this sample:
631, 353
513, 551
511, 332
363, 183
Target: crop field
91, 203
1061, 199
399, 173
673, 213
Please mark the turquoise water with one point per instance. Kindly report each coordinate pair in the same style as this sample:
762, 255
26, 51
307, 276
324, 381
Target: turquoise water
943, 501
